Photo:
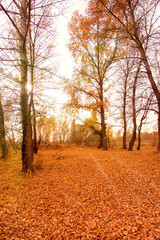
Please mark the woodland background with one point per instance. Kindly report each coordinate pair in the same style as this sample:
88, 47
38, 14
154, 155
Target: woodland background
113, 93
66, 172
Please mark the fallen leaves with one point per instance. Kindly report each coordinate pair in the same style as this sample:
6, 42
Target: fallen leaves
82, 193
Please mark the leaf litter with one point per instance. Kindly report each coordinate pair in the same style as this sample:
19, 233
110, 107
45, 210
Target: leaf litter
82, 193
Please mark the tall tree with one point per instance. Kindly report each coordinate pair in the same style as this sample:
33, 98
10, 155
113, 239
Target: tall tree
125, 69
21, 27
39, 53
138, 19
2, 133
94, 51
20, 15
133, 138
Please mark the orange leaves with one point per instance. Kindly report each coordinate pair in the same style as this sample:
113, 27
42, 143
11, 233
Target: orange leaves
82, 193
93, 45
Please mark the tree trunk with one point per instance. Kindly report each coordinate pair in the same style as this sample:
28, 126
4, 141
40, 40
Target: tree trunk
103, 141
155, 89
133, 139
142, 119
105, 144
27, 148
139, 138
2, 133
103, 129
35, 144
148, 70
125, 137
32, 61
124, 116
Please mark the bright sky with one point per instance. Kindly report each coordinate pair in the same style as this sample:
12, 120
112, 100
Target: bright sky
65, 59
63, 56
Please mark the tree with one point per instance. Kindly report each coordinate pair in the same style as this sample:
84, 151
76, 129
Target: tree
133, 138
138, 19
21, 28
94, 51
63, 123
146, 106
124, 110
19, 14
46, 126
2, 133
39, 52
125, 69
73, 131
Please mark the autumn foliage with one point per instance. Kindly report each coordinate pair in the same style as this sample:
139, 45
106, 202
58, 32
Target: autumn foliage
82, 193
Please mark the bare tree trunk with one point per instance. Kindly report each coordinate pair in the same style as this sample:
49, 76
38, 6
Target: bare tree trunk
124, 115
32, 61
125, 136
139, 137
142, 119
103, 127
133, 139
27, 148
35, 144
2, 133
131, 143
104, 143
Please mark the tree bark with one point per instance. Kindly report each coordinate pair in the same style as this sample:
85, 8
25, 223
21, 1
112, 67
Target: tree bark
2, 133
142, 119
35, 144
124, 115
32, 65
103, 142
103, 127
133, 139
27, 148
139, 137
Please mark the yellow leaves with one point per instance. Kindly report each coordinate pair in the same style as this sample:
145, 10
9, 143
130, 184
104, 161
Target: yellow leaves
93, 49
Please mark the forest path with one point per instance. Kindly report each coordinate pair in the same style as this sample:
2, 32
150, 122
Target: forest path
82, 193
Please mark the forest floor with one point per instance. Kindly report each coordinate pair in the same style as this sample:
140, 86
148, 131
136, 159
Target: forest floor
81, 193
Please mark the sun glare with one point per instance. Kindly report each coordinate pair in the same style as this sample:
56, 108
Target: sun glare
29, 87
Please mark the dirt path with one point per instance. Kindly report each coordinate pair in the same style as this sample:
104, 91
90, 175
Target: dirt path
82, 193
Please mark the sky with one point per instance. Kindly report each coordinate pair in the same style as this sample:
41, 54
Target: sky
63, 56
65, 60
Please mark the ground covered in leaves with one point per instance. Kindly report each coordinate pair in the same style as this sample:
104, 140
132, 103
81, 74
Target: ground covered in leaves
81, 193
